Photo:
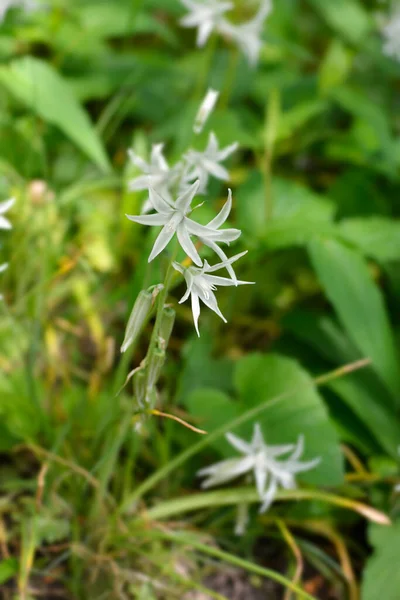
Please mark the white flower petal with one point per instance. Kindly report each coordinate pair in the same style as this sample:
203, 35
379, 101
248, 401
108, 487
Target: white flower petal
148, 219
187, 244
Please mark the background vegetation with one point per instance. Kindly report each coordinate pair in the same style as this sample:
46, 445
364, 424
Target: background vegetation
89, 509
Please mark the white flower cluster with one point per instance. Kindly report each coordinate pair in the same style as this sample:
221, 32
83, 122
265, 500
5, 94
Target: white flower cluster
5, 224
391, 34
210, 15
184, 181
26, 5
262, 461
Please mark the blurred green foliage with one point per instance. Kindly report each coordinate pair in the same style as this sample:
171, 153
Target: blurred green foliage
315, 183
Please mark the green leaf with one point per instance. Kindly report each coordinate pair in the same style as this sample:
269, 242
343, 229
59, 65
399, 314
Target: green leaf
259, 377
213, 408
335, 67
296, 212
376, 237
8, 568
382, 574
347, 17
359, 304
38, 85
369, 408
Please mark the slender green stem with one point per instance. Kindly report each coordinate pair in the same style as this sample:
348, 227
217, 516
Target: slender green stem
249, 415
232, 497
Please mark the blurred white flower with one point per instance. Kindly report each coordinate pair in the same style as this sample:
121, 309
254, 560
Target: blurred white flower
4, 207
201, 286
201, 165
247, 36
156, 174
391, 34
261, 460
206, 15
206, 108
26, 5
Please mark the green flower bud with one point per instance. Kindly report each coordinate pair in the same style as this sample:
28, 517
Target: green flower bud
166, 327
138, 317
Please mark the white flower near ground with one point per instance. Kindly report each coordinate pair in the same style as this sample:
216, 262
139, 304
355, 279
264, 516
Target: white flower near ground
4, 207
201, 165
205, 15
391, 35
248, 36
173, 217
201, 286
261, 460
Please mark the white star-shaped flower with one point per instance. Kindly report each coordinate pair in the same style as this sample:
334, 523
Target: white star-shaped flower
173, 218
4, 207
261, 460
156, 174
201, 286
206, 15
247, 36
200, 165
391, 34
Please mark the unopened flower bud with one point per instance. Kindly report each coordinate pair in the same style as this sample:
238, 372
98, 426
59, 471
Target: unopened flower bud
137, 318
206, 108
166, 327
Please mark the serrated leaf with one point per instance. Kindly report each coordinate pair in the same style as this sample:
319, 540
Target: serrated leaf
38, 85
359, 304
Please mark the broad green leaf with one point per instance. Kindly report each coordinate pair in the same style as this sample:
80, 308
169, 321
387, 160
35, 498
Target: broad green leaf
335, 67
295, 118
259, 377
348, 17
359, 304
38, 85
212, 408
376, 237
382, 574
8, 568
297, 212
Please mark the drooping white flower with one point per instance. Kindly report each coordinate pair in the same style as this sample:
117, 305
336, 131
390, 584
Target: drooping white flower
206, 108
4, 207
206, 15
173, 218
262, 461
201, 165
391, 34
247, 36
201, 286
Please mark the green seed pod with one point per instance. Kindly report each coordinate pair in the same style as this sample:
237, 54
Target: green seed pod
139, 386
156, 363
166, 327
137, 318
